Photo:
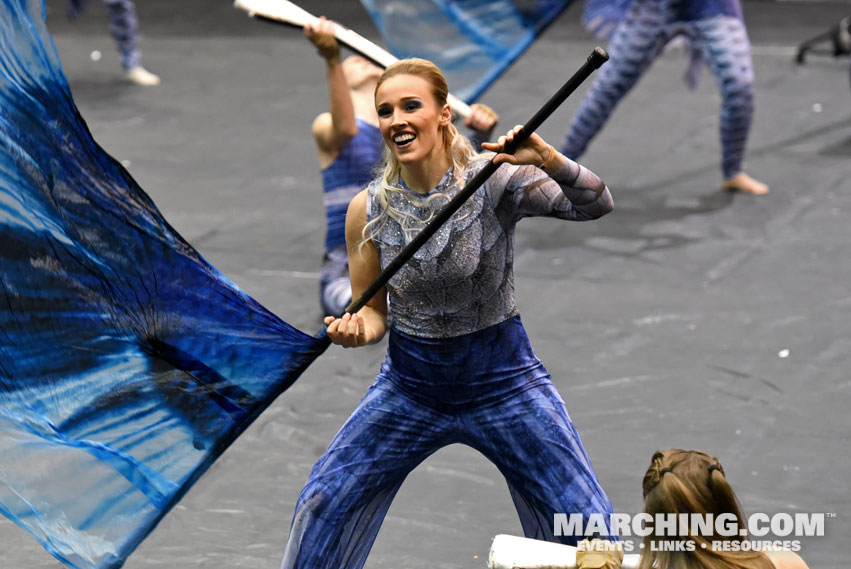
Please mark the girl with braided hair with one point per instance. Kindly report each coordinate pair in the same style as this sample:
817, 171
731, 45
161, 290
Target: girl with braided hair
693, 482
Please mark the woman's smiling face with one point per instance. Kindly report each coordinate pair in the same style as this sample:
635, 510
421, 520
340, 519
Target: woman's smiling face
410, 119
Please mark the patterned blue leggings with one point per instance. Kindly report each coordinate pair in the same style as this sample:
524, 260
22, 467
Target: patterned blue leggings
486, 390
124, 28
638, 39
335, 287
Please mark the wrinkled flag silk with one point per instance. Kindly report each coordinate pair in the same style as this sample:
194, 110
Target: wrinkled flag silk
127, 362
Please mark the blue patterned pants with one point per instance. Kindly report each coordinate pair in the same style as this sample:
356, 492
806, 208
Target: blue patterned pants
124, 28
639, 38
486, 390
335, 287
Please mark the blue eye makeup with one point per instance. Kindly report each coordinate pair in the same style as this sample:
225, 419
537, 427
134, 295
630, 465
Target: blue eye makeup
409, 106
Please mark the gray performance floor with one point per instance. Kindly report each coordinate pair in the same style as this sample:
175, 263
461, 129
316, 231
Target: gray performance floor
687, 318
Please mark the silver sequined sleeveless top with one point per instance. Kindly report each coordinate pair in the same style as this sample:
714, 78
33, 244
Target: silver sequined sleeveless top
462, 280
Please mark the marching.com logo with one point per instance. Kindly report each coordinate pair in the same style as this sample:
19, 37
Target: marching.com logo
707, 526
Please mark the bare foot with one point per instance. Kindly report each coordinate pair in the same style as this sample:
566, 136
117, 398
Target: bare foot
141, 76
741, 182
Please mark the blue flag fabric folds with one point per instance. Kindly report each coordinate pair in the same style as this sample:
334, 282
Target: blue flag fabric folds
472, 41
127, 362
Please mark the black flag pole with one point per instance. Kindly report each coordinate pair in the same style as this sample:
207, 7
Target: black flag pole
597, 58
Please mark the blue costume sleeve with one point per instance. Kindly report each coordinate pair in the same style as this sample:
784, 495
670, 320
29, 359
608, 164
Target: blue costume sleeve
573, 192
127, 362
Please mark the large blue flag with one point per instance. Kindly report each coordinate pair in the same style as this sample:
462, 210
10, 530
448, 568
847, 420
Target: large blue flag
472, 41
127, 362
